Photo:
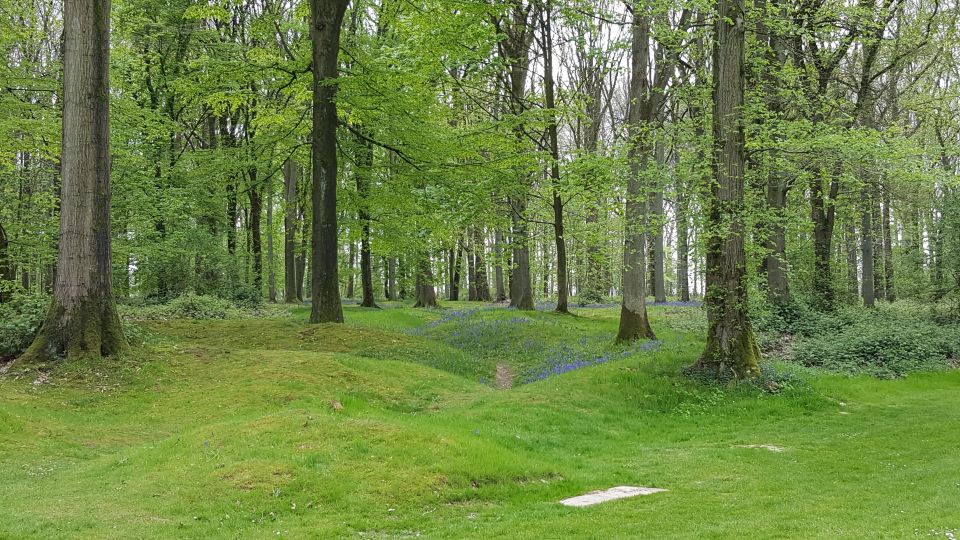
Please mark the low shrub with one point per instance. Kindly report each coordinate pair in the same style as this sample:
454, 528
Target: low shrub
20, 320
882, 348
187, 306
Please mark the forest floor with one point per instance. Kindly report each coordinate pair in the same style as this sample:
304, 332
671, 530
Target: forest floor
400, 424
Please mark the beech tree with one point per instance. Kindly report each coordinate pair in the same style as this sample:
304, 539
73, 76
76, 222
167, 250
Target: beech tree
82, 320
326, 17
731, 347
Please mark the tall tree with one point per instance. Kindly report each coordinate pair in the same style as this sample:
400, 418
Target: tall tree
731, 347
82, 320
326, 17
643, 102
290, 232
557, 201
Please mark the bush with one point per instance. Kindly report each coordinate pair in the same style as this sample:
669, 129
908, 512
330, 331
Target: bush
20, 320
885, 348
188, 306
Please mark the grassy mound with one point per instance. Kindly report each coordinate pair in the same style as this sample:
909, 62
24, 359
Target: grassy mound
256, 428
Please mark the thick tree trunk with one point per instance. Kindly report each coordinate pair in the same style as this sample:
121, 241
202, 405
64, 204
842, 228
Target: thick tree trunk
888, 247
823, 212
82, 320
731, 348
521, 288
633, 310
326, 17
778, 290
290, 232
426, 294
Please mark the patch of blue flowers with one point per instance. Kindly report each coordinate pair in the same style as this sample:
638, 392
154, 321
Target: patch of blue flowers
565, 358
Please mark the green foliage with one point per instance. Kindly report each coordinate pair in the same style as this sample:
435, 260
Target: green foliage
20, 319
188, 306
888, 341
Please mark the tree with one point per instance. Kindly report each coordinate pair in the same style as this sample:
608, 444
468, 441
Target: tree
731, 347
326, 17
633, 309
82, 320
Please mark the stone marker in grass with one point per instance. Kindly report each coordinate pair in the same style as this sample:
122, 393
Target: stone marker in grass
612, 494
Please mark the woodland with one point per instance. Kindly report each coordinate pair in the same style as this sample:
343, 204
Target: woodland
399, 268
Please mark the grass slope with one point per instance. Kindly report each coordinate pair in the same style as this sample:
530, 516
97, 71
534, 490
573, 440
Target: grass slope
225, 429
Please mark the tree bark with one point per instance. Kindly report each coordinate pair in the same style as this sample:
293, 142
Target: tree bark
256, 235
866, 247
362, 174
326, 17
683, 247
550, 102
425, 293
480, 265
498, 268
289, 232
888, 246
6, 266
271, 273
731, 347
351, 262
633, 310
850, 239
82, 321
778, 289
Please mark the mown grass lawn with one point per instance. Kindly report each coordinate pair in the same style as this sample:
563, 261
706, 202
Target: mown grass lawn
226, 429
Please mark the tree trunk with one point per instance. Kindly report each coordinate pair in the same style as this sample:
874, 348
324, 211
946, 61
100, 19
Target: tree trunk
271, 273
550, 102
879, 291
82, 320
778, 290
888, 246
326, 17
633, 310
659, 287
426, 294
731, 347
351, 262
455, 255
289, 232
521, 289
6, 266
391, 284
683, 247
850, 239
498, 268
256, 236
362, 174
823, 212
480, 265
866, 246
471, 267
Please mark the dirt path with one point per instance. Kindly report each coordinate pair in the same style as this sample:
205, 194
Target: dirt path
504, 377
